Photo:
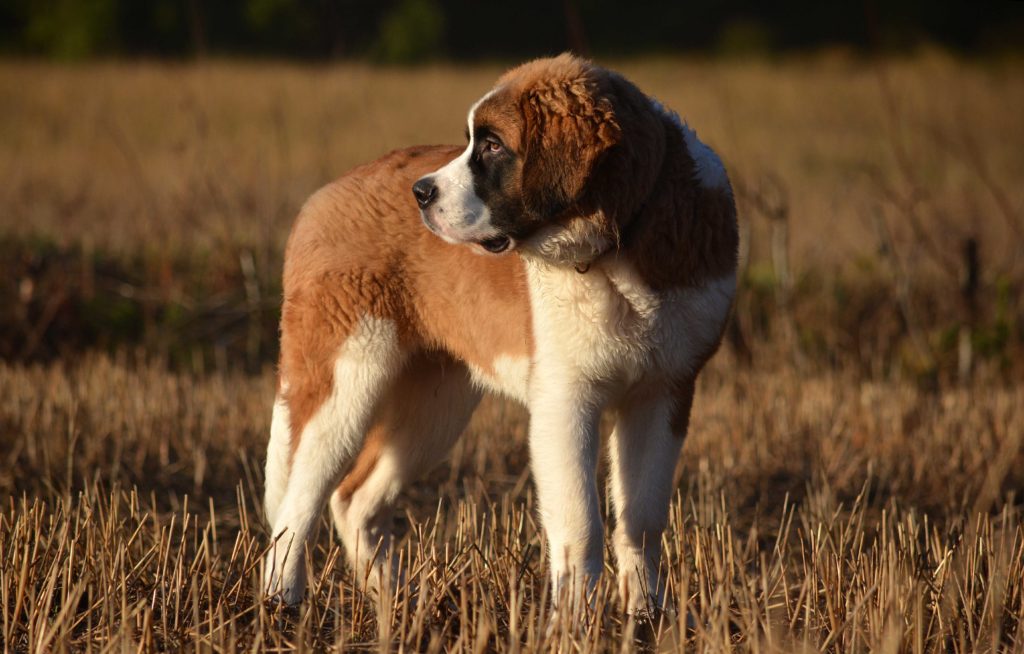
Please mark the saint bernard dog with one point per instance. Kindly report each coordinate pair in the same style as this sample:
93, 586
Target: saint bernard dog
578, 255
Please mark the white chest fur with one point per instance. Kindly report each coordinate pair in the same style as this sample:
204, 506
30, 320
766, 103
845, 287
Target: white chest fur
606, 327
598, 324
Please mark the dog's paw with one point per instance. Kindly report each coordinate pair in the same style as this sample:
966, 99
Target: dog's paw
287, 597
283, 583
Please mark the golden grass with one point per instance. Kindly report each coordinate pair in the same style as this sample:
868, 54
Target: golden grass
812, 513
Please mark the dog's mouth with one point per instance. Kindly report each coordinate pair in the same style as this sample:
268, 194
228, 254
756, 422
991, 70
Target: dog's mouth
491, 245
496, 244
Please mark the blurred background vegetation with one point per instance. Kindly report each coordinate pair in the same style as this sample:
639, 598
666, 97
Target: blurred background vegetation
409, 31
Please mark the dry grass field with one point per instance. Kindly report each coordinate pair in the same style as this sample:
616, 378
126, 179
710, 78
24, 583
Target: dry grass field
854, 473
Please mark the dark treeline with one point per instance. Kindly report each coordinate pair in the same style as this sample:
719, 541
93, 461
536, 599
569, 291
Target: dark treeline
418, 30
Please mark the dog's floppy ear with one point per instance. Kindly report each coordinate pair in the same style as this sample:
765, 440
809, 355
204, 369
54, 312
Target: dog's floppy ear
569, 124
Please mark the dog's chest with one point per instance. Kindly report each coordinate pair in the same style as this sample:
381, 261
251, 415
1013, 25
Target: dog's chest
608, 326
597, 325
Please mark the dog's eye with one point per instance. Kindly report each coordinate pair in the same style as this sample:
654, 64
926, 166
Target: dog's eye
492, 146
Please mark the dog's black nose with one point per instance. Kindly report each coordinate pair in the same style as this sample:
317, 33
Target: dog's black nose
425, 191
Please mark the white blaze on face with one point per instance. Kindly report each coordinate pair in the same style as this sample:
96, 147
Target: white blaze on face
458, 214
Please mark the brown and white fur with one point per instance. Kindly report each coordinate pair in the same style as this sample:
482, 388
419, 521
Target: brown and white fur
579, 255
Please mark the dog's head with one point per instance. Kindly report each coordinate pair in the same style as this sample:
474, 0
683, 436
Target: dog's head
561, 152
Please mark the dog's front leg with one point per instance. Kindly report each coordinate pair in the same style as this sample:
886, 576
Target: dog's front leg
644, 447
564, 442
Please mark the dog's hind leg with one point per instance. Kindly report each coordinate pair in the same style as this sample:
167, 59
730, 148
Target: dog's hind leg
423, 415
278, 457
339, 415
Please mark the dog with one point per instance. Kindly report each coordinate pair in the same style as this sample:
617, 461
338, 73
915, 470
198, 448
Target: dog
578, 255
